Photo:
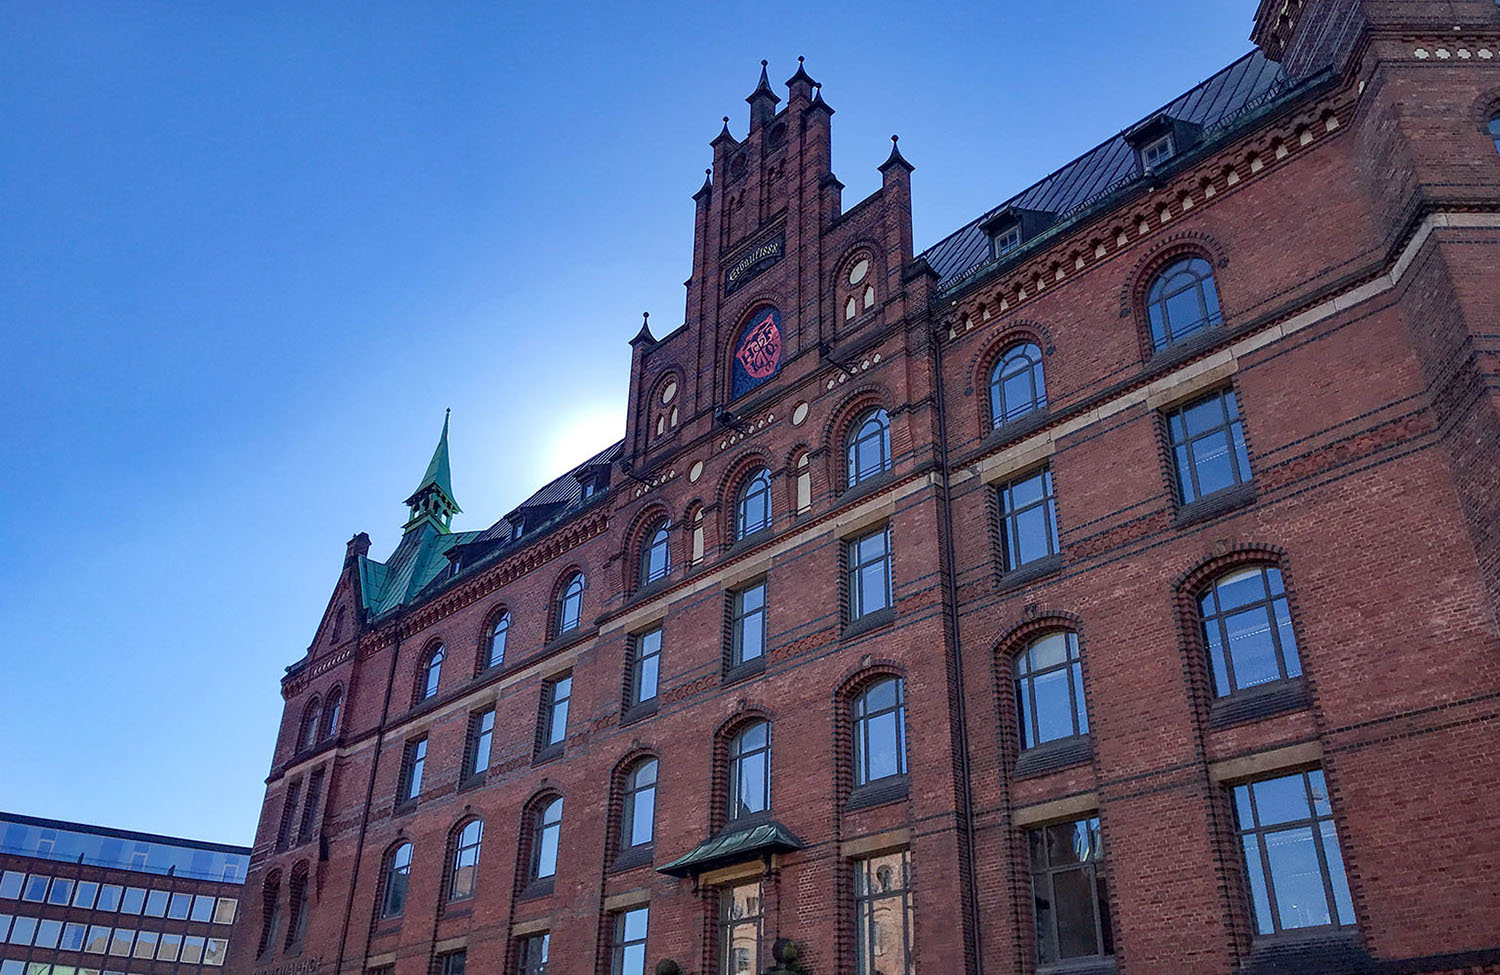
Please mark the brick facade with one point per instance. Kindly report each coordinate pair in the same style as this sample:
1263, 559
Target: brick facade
1351, 225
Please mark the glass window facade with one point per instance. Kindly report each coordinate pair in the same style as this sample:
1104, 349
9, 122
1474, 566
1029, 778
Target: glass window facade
1049, 690
1247, 630
570, 604
555, 723
546, 831
656, 560
394, 883
465, 864
1028, 519
869, 574
105, 848
880, 732
869, 449
645, 667
1182, 301
499, 633
750, 771
748, 626
752, 512
1017, 386
638, 817
1208, 446
533, 953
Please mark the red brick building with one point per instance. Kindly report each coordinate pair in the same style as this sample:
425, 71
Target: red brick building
1111, 586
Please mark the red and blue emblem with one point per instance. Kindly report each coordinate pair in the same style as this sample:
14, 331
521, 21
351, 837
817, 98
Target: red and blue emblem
757, 354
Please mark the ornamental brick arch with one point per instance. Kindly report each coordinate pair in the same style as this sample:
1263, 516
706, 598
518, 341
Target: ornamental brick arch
841, 419
663, 403
729, 488
743, 717
987, 354
1187, 243
554, 600
634, 540
744, 317
864, 294
618, 775
841, 700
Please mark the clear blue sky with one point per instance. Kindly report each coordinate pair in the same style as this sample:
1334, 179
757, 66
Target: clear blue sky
250, 252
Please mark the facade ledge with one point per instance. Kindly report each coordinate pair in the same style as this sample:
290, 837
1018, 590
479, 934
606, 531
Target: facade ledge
896, 788
870, 622
1216, 504
1258, 702
639, 712
1030, 572
1053, 756
744, 671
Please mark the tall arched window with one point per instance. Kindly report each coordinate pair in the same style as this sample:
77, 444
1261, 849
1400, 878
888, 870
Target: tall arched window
656, 559
432, 671
752, 511
498, 634
880, 732
296, 928
270, 912
394, 881
307, 734
1247, 629
464, 863
1183, 299
1495, 130
638, 812
697, 545
570, 604
331, 708
804, 482
1049, 689
546, 828
869, 448
1017, 386
750, 771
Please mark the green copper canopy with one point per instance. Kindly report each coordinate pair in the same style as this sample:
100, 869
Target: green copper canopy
734, 846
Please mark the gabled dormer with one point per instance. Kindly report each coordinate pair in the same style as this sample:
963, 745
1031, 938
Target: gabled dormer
1160, 139
1012, 226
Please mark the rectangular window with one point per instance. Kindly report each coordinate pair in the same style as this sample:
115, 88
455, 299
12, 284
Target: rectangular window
555, 713
192, 950
534, 951
109, 897
122, 942
288, 815
203, 908
61, 892
36, 889
135, 899
1292, 859
215, 950
98, 939
883, 921
225, 909
156, 903
481, 734
412, 765
645, 667
628, 956
1028, 519
309, 808
170, 945
10, 884
48, 932
1069, 888
452, 963
1007, 240
73, 936
145, 945
739, 929
85, 894
178, 909
869, 574
1208, 446
748, 626
1157, 151
22, 930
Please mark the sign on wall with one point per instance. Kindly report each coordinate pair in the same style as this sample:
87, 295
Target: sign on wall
757, 351
752, 263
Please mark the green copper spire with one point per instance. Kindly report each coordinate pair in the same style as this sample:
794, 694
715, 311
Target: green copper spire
433, 499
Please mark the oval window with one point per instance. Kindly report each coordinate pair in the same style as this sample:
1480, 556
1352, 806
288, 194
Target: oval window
668, 391
859, 270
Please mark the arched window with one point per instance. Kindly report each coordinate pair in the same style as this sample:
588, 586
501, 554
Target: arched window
1183, 299
331, 709
1016, 384
638, 813
750, 771
1049, 689
570, 604
1495, 130
698, 536
869, 449
307, 735
498, 633
432, 670
546, 827
394, 881
804, 482
270, 913
1247, 629
656, 560
752, 512
880, 732
464, 864
296, 928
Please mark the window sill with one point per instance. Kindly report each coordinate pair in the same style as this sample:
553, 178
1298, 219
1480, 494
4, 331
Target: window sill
1258, 702
869, 485
1213, 505
633, 858
472, 782
458, 909
870, 621
537, 889
647, 591
744, 671
403, 807
549, 754
564, 640
1021, 426
1308, 950
639, 712
750, 541
1081, 966
894, 788
387, 925
1054, 756
1178, 352
1030, 572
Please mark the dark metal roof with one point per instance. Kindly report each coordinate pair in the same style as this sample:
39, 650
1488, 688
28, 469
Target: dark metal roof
734, 846
1108, 167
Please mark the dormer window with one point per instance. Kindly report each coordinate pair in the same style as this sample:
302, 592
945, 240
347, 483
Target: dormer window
1157, 151
517, 530
1007, 240
589, 489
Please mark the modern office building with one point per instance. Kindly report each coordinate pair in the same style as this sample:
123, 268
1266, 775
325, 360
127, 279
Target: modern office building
1110, 586
90, 900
